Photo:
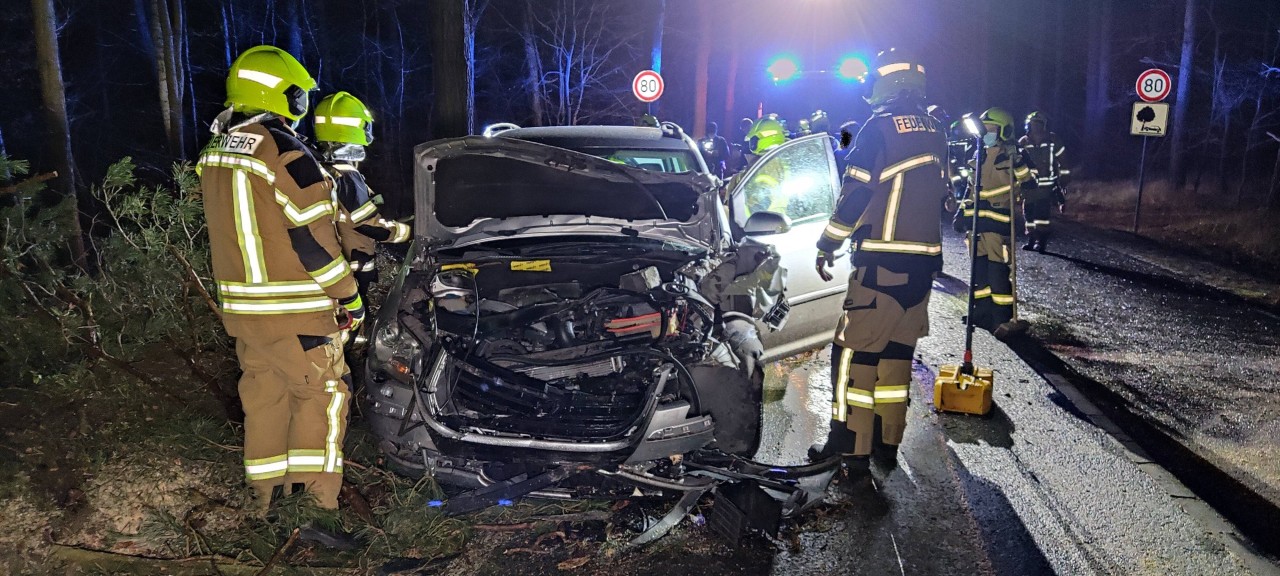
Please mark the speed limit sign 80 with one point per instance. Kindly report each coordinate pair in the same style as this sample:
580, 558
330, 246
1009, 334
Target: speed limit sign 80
1153, 85
647, 86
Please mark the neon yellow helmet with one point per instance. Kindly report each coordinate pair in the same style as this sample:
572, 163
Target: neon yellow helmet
898, 77
343, 118
764, 135
999, 121
266, 78
803, 128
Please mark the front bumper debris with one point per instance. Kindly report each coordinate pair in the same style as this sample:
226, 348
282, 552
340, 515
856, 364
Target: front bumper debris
753, 495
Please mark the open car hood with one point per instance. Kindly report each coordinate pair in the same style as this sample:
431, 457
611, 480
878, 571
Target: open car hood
472, 189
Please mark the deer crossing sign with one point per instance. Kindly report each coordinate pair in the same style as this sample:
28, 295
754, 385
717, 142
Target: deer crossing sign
1149, 119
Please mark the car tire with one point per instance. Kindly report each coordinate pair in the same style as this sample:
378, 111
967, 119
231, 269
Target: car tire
735, 403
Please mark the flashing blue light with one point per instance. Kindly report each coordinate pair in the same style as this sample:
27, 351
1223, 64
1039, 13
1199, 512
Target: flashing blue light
852, 68
783, 68
435, 504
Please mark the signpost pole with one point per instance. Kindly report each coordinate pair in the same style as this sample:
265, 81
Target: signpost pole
1142, 175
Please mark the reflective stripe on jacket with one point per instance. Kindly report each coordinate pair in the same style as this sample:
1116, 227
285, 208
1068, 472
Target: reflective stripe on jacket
274, 247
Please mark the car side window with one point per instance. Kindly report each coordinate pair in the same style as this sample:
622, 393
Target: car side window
795, 182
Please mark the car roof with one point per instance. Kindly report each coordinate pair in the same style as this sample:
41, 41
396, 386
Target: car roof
643, 137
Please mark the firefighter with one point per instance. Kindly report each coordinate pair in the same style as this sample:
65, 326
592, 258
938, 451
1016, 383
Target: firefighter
344, 128
1005, 174
893, 185
715, 150
803, 128
1044, 153
286, 293
764, 135
820, 122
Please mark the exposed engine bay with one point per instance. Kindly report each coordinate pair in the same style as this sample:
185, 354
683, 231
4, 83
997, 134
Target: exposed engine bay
569, 358
566, 326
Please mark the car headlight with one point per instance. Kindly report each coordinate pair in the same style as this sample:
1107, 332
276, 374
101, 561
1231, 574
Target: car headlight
394, 353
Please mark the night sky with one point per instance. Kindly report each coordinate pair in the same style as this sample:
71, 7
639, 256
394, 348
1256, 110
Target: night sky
1022, 55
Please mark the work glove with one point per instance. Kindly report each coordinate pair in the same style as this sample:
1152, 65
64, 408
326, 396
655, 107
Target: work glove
960, 223
354, 308
824, 260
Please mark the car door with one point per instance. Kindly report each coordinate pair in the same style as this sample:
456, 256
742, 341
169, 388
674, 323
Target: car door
798, 180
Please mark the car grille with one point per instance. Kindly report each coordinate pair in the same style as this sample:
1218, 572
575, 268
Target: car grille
591, 407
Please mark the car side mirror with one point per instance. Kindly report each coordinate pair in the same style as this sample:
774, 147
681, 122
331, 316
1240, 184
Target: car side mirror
765, 223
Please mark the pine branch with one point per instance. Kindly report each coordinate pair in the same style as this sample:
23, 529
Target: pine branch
37, 179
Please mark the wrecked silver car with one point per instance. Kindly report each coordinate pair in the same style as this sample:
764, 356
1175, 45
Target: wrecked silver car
566, 326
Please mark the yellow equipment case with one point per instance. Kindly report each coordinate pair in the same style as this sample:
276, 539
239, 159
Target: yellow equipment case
955, 391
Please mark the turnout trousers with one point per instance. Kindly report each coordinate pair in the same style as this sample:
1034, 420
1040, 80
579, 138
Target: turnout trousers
885, 313
993, 288
1037, 212
295, 390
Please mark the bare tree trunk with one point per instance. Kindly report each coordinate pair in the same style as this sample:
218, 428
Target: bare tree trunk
533, 66
1178, 134
451, 70
1096, 82
227, 39
293, 37
702, 64
165, 22
57, 129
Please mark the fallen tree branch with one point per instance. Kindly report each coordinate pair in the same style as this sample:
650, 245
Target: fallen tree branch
195, 280
275, 557
504, 527
10, 189
111, 562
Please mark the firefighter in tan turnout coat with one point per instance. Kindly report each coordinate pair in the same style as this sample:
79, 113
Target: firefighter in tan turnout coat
287, 294
894, 186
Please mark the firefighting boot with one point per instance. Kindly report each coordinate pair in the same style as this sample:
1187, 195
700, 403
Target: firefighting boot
840, 440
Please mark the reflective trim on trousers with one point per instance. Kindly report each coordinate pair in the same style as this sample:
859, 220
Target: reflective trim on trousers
891, 394
860, 398
841, 406
265, 468
332, 451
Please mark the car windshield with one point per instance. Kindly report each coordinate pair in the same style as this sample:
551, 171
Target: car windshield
670, 155
675, 161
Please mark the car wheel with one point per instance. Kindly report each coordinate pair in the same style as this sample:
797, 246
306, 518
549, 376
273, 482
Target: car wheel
735, 402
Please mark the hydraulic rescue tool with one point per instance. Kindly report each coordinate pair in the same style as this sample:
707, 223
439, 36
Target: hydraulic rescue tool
966, 388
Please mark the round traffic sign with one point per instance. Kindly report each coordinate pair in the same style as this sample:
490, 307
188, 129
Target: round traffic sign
1153, 85
647, 86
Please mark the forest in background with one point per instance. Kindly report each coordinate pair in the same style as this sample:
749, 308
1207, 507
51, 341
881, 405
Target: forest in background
142, 78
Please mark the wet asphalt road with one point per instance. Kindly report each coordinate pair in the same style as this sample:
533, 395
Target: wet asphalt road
1039, 488
1193, 359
